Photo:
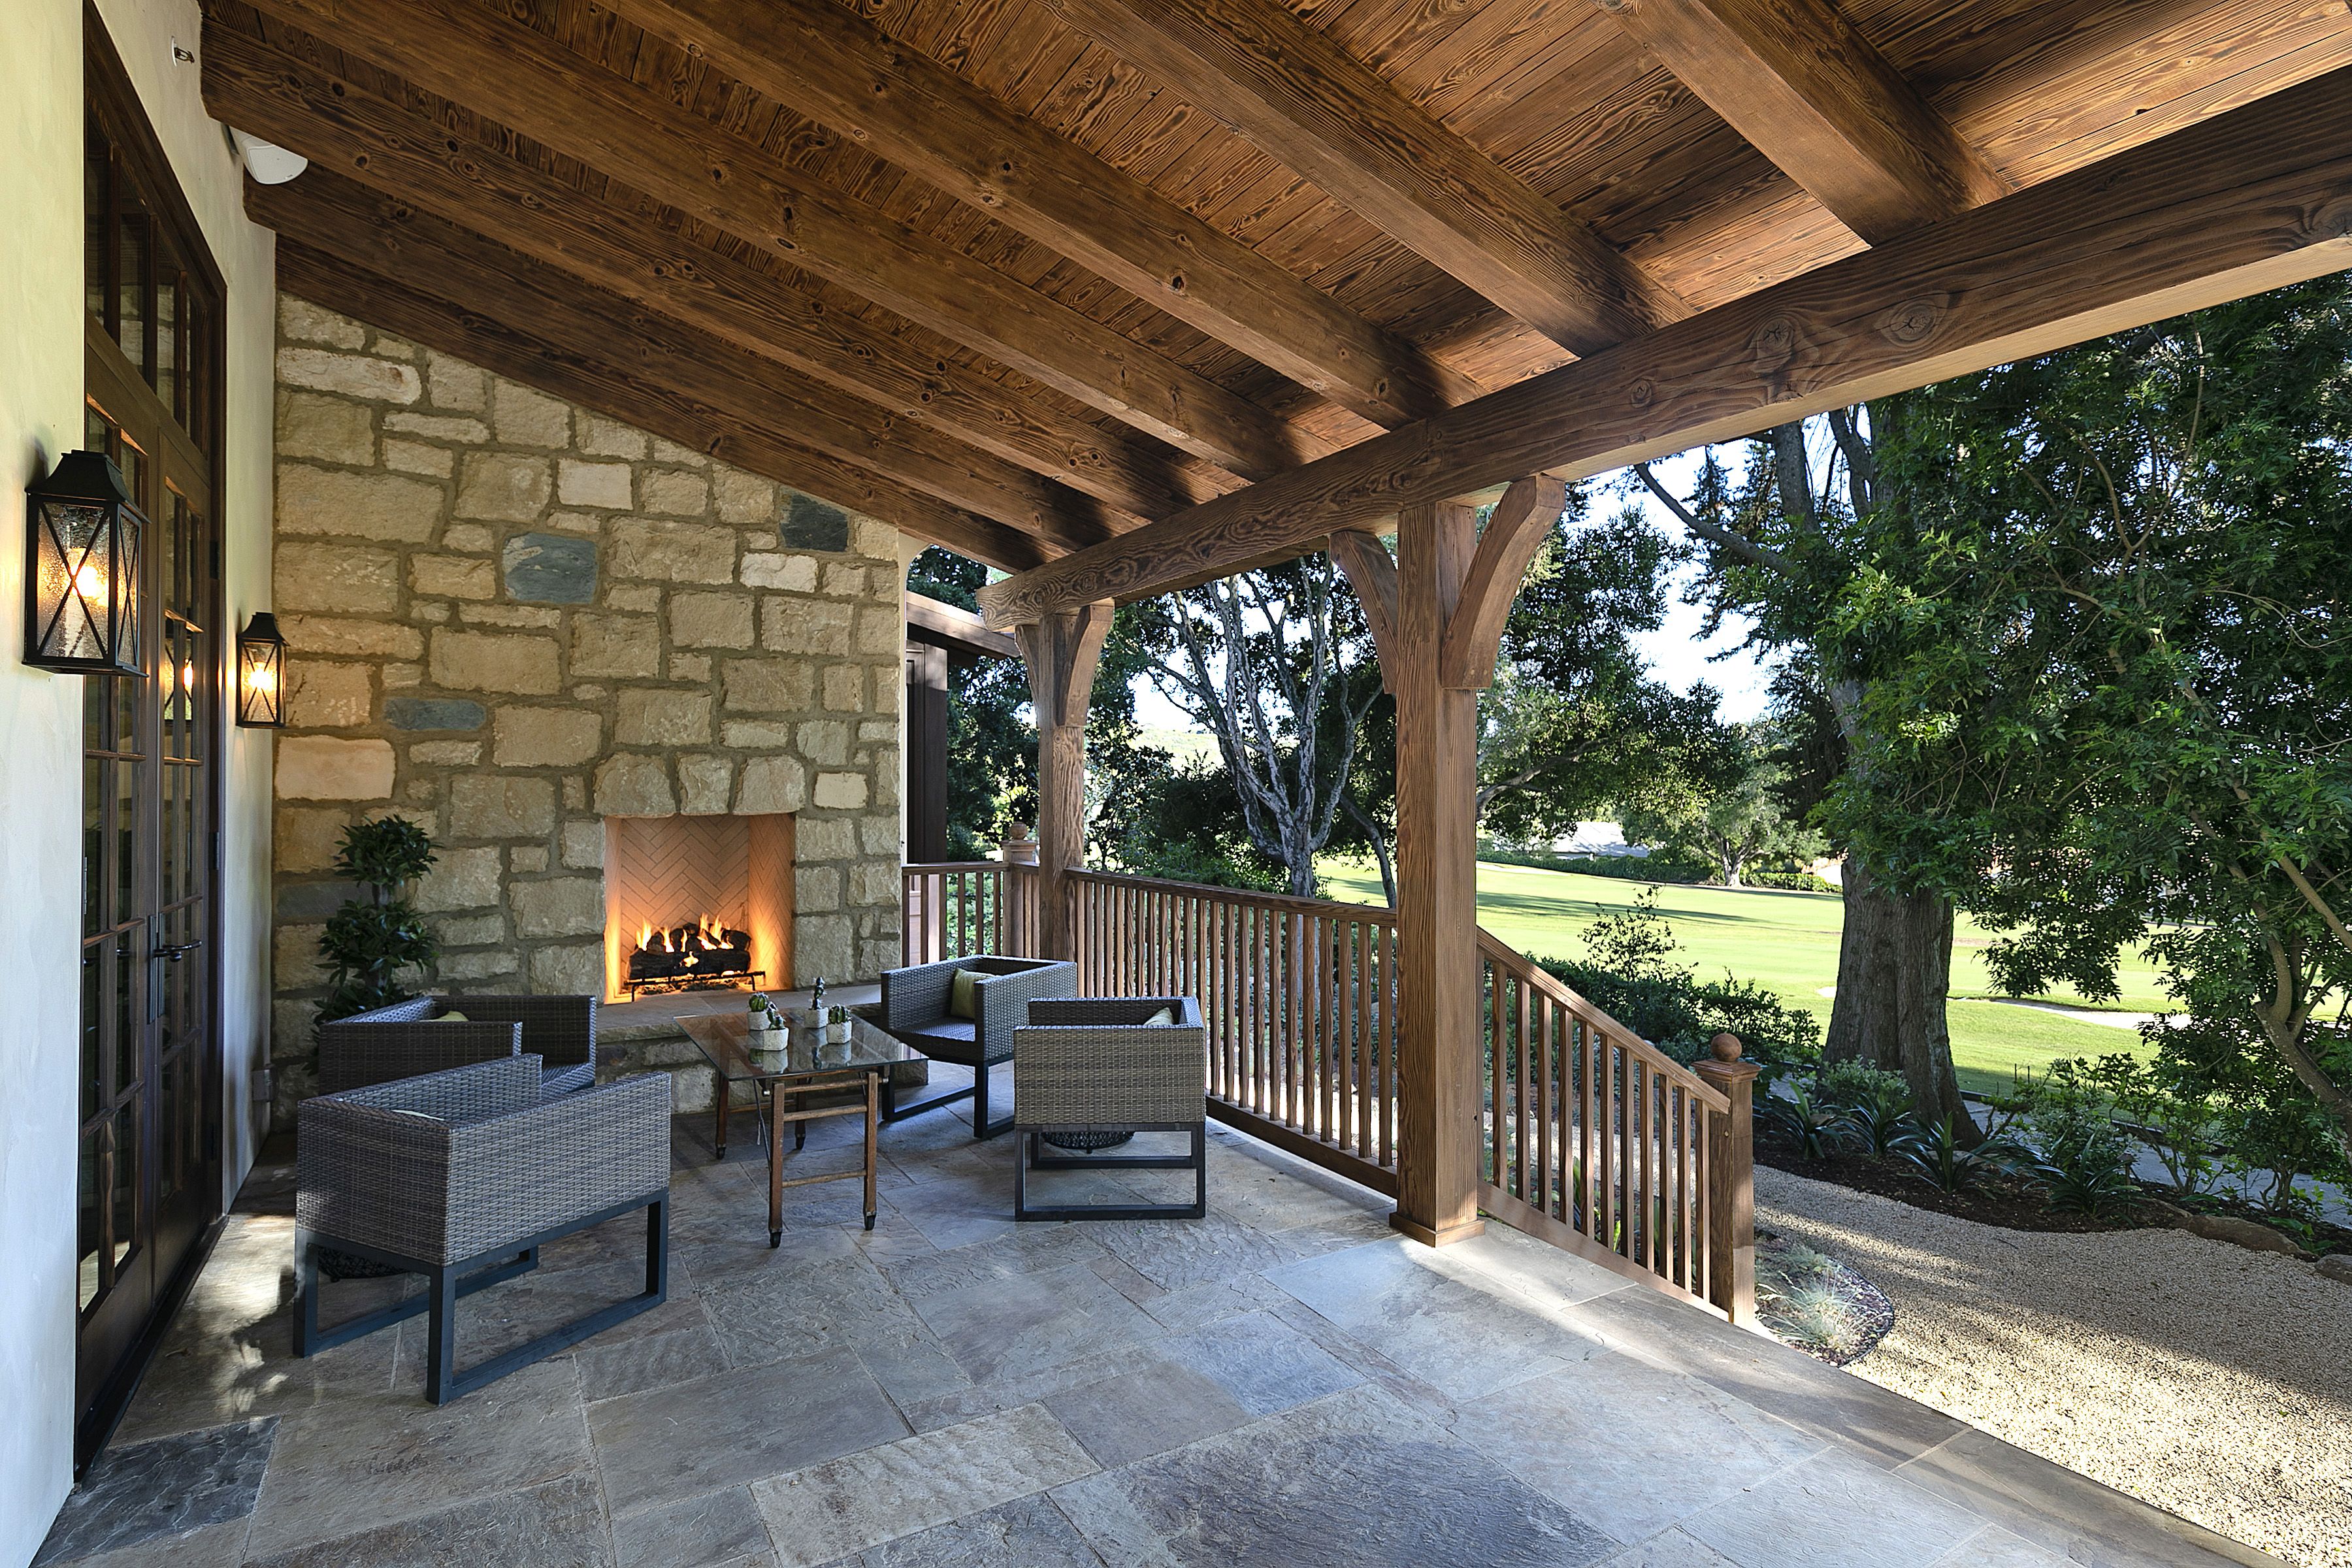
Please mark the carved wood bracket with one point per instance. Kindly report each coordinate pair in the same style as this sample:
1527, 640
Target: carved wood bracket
1474, 631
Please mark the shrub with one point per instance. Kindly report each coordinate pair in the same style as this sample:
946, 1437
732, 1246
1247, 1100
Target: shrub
2085, 1159
1818, 1129
1676, 866
1789, 881
1937, 1151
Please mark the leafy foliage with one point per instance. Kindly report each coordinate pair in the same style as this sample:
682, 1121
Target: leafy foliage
1630, 975
370, 942
1818, 1128
1939, 1151
2108, 686
993, 737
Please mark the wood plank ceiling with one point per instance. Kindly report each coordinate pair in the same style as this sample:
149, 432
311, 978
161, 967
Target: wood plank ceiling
1020, 275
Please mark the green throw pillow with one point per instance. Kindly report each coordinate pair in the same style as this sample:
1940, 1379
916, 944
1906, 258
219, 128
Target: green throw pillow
1165, 1016
451, 1017
964, 996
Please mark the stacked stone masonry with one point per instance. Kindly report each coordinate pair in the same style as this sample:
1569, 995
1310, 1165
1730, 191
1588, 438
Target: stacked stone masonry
509, 618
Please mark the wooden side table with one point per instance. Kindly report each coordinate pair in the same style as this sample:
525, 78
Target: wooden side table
785, 1067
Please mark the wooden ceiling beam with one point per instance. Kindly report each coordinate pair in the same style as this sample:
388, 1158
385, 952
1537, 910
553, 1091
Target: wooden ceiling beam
526, 81
1303, 98
298, 104
2253, 199
1811, 94
577, 326
902, 106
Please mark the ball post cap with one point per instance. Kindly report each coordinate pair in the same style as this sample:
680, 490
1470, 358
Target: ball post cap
1726, 1047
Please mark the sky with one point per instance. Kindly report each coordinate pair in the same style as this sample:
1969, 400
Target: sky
1676, 652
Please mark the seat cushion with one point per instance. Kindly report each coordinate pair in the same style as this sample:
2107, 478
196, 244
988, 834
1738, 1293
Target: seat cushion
949, 1039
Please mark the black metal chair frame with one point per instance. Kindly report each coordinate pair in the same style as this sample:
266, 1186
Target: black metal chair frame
1034, 1158
445, 1283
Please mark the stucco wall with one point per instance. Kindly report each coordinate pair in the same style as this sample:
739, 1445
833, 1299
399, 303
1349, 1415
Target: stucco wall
40, 715
40, 720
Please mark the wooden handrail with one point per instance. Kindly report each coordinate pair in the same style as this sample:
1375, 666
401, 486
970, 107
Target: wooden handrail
1603, 1145
1596, 1140
1501, 955
1298, 995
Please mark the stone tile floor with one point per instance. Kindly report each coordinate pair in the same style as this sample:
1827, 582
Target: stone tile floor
1283, 1382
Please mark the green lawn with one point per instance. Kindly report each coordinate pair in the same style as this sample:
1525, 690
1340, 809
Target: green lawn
1785, 941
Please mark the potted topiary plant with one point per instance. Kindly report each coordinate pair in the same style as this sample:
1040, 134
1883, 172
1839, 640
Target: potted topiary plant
371, 941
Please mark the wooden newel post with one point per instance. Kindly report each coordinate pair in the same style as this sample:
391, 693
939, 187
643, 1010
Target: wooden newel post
1061, 652
1020, 851
1731, 1182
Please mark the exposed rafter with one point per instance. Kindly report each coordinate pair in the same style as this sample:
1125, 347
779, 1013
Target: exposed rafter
1324, 114
520, 78
901, 105
1810, 92
339, 127
381, 234
2250, 200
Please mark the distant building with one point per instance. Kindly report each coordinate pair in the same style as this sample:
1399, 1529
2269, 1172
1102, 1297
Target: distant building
1599, 839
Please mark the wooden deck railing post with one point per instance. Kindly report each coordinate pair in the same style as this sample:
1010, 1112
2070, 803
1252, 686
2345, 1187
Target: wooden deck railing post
1061, 651
1731, 1183
1020, 849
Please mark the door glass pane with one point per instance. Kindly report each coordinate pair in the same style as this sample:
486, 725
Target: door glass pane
167, 333
128, 1033
122, 1220
93, 1024
131, 288
93, 846
127, 903
90, 1242
93, 241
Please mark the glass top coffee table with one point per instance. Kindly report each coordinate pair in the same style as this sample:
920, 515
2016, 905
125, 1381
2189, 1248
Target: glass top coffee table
787, 1065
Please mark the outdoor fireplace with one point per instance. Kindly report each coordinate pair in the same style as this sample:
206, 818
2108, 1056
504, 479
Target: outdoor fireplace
697, 903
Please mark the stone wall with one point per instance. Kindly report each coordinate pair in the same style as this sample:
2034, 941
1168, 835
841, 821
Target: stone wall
509, 618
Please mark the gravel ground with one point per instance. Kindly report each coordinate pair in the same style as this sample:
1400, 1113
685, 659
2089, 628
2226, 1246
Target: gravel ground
2206, 1379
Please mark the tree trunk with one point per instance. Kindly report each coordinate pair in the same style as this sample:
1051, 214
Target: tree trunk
1894, 966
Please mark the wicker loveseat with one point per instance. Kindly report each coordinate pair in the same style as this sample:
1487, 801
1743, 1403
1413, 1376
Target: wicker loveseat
411, 1037
461, 1176
915, 1010
1094, 1065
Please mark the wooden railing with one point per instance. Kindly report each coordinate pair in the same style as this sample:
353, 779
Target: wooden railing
1595, 1139
1605, 1145
957, 908
1297, 994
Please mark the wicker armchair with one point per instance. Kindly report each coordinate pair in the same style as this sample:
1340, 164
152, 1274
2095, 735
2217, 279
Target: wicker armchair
409, 1038
1093, 1066
915, 1010
461, 1176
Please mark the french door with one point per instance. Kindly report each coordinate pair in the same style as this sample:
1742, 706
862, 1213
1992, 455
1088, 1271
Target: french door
150, 1081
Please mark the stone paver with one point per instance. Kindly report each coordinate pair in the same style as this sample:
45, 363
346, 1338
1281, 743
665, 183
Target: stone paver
1286, 1382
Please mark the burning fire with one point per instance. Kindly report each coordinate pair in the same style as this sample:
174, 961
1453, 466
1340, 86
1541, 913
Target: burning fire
706, 946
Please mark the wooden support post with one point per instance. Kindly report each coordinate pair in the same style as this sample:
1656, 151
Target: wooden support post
1731, 1183
1061, 651
1438, 613
1437, 892
927, 752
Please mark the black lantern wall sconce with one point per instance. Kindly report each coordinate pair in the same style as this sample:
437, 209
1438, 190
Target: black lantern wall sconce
261, 674
82, 539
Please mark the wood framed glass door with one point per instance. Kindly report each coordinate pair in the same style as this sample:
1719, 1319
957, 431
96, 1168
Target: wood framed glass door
150, 1080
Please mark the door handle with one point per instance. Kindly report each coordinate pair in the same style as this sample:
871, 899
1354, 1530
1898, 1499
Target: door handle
171, 952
